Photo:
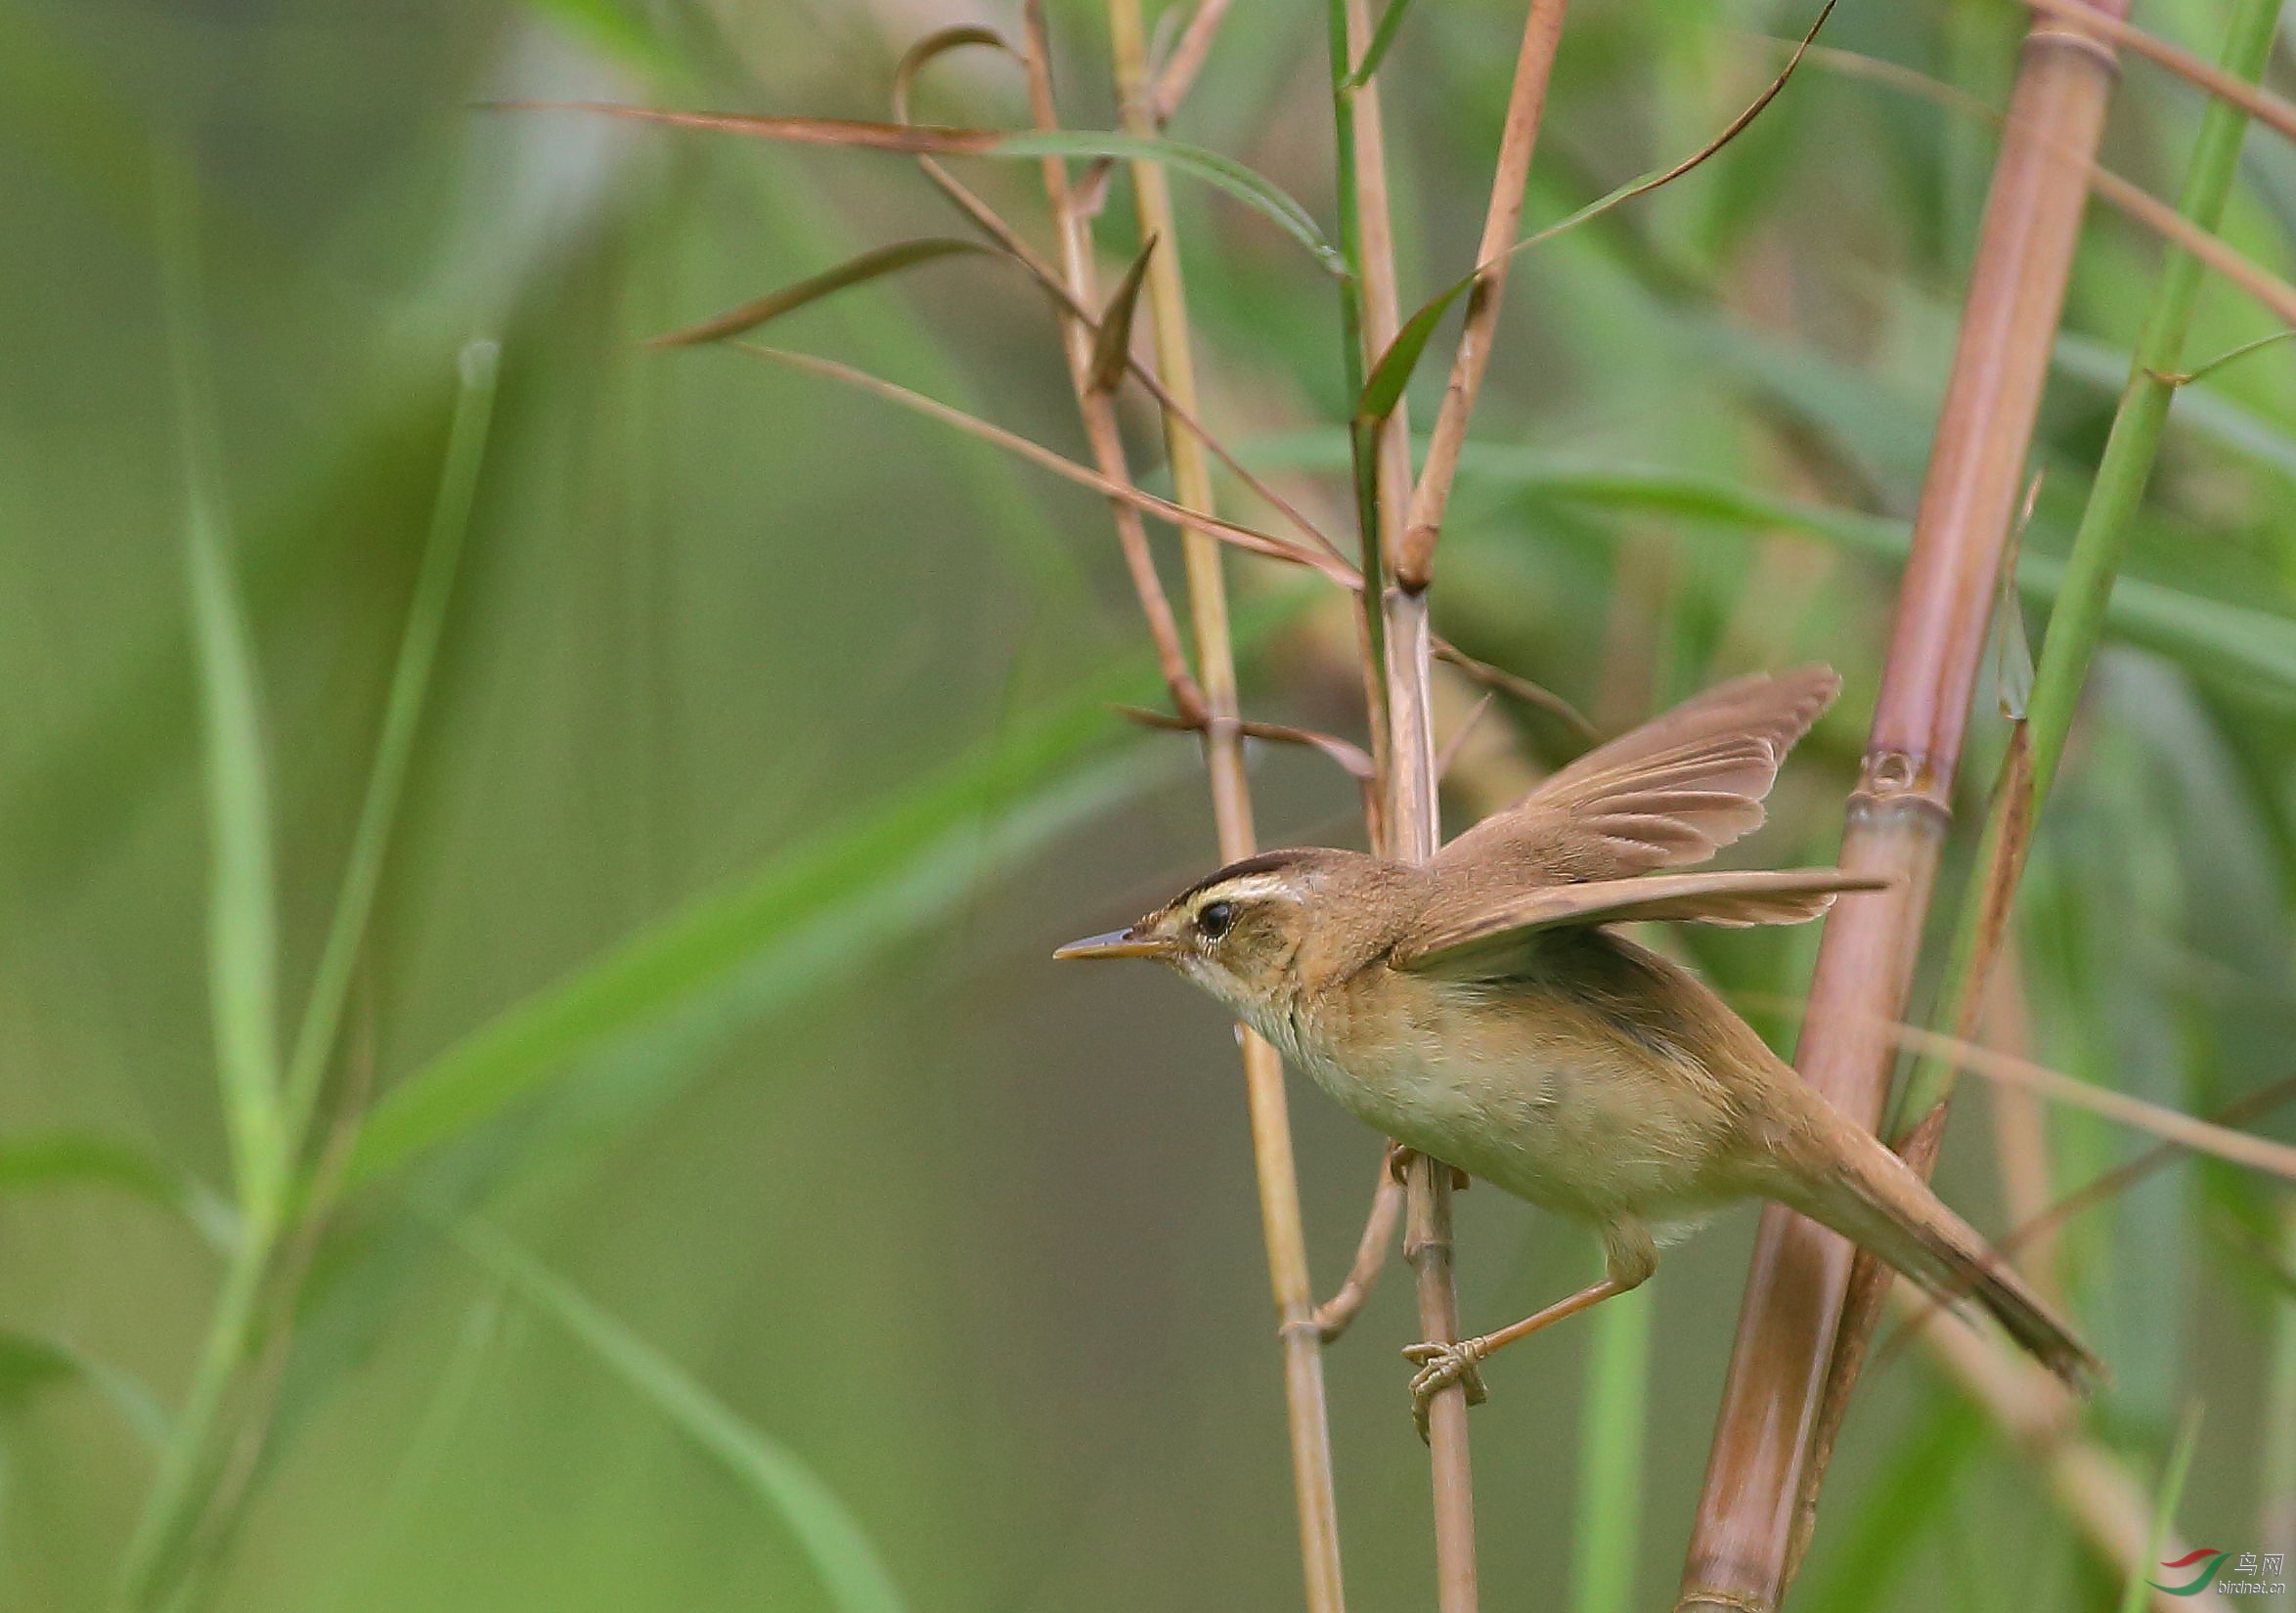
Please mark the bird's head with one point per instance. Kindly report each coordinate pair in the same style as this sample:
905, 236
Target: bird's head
1238, 932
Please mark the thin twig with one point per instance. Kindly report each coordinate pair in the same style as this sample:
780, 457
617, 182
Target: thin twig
1096, 407
1067, 207
1459, 737
1351, 760
1503, 682
1337, 1314
1177, 76
2173, 1125
1228, 532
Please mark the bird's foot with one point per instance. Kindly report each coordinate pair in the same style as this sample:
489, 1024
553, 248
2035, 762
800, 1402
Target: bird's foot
1441, 1365
1400, 1159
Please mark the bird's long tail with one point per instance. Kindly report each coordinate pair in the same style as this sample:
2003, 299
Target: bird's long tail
1870, 1197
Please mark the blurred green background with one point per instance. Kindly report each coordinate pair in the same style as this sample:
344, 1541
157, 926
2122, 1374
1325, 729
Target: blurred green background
859, 1186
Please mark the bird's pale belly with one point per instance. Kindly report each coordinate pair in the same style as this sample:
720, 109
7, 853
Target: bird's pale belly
1573, 1125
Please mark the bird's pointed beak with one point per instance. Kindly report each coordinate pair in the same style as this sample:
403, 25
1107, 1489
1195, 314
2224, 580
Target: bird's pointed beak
1117, 944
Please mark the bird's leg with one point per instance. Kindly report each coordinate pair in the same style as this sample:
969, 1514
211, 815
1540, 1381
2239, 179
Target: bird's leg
1335, 1315
1628, 1256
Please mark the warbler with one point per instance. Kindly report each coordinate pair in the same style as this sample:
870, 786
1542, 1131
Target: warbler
1484, 1009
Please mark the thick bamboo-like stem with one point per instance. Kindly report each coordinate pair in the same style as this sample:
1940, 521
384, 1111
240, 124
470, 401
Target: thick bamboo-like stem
1232, 808
2267, 108
1743, 1540
2076, 627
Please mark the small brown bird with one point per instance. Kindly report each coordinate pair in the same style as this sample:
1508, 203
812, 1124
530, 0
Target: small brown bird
1481, 1010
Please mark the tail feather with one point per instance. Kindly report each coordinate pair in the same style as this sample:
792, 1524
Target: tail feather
1872, 1198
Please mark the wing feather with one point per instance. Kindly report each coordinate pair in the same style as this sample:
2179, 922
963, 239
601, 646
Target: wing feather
1465, 940
1667, 793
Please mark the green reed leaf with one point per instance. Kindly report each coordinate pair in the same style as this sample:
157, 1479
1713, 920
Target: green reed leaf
243, 922
851, 1568
748, 945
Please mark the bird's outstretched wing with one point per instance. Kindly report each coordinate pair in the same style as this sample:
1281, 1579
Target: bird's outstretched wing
1666, 795
1466, 939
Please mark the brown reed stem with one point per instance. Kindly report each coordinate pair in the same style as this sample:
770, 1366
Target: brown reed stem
1396, 625
1542, 31
1231, 806
1188, 53
1760, 1478
1096, 407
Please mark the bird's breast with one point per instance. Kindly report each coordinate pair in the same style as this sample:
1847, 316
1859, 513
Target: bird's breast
1522, 1088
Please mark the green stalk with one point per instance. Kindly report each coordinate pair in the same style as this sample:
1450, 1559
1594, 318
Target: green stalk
2076, 626
1609, 1526
2163, 1516
175, 1500
1363, 444
394, 748
2276, 1464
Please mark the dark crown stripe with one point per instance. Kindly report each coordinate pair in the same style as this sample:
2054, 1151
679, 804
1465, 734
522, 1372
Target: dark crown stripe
1265, 862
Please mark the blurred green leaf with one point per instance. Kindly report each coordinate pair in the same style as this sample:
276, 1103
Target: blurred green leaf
1903, 1501
68, 1158
243, 922
841, 1552
31, 1367
781, 929
614, 30
1612, 1431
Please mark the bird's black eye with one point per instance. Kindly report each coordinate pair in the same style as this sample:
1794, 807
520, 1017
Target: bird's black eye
1213, 918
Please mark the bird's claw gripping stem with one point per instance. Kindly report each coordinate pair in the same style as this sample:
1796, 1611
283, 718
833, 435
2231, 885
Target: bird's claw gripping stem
1441, 1365
1399, 1157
